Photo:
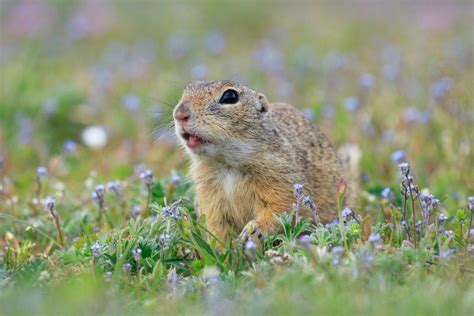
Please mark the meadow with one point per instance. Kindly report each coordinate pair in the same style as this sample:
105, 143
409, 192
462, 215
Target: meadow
97, 212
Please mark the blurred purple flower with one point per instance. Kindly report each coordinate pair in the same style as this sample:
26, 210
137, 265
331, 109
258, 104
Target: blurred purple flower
391, 58
131, 102
172, 211
328, 111
428, 204
388, 136
250, 250
448, 233
96, 249
175, 179
25, 129
285, 89
165, 239
199, 71
458, 50
141, 57
471, 203
366, 258
338, 252
376, 241
41, 172
391, 53
367, 81
442, 219
137, 254
268, 57
390, 72
30, 18
116, 53
147, 177
214, 42
404, 168
309, 114
334, 61
136, 210
398, 156
387, 194
298, 191
70, 146
50, 106
178, 45
413, 115
102, 77
108, 276
441, 87
49, 202
304, 240
346, 214
90, 18
351, 104
126, 268
447, 253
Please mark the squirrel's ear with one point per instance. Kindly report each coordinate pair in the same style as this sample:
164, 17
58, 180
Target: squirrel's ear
263, 104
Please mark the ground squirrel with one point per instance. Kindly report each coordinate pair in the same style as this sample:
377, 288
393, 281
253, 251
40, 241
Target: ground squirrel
247, 154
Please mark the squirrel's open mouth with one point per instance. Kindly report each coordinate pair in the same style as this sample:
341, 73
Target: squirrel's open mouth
193, 141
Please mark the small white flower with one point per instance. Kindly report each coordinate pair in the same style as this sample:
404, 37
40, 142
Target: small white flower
44, 275
95, 136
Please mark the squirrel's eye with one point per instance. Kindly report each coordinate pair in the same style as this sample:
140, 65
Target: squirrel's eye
229, 97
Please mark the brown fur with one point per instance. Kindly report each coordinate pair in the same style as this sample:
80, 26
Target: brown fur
256, 152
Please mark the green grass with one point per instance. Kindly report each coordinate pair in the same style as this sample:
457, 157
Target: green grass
313, 56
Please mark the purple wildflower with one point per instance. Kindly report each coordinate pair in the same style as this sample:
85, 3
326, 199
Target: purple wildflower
471, 203
367, 81
131, 102
199, 71
337, 252
351, 104
304, 240
96, 249
172, 211
250, 250
298, 191
398, 156
376, 240
442, 219
126, 268
70, 146
215, 42
388, 194
441, 87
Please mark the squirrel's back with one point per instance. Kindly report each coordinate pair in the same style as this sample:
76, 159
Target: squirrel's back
317, 163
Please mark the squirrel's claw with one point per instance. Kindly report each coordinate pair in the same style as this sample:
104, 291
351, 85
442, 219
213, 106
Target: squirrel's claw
250, 230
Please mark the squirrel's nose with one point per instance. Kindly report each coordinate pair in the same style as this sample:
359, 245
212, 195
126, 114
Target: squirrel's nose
182, 113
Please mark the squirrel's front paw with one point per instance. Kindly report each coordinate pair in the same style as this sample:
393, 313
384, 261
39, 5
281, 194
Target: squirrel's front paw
250, 230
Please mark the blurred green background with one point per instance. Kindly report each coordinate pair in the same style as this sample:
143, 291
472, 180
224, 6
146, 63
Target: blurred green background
385, 75
87, 90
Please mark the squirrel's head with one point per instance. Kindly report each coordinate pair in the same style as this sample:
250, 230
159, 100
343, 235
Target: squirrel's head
220, 119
